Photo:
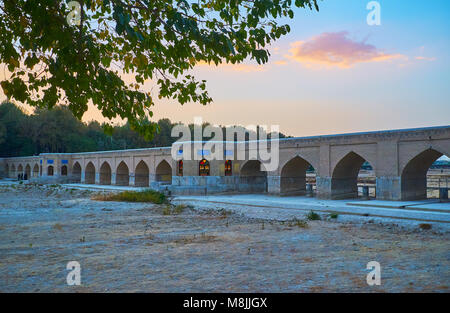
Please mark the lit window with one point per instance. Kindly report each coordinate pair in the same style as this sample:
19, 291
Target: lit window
180, 168
203, 169
228, 171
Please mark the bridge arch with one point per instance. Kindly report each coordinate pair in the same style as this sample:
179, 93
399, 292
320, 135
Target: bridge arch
20, 169
122, 174
28, 171
12, 174
293, 176
414, 174
164, 172
64, 170
344, 180
141, 174
50, 170
89, 173
76, 172
36, 170
105, 174
253, 177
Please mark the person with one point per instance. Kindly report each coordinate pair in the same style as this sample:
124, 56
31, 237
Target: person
18, 176
25, 176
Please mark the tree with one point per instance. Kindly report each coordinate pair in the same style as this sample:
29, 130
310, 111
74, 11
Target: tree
13, 122
57, 56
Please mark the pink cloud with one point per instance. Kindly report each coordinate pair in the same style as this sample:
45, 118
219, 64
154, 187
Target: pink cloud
421, 58
337, 50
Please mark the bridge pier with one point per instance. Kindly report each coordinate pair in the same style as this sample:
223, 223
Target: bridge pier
388, 188
274, 185
323, 187
131, 181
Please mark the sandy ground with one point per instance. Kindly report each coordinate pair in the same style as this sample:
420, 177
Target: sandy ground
125, 247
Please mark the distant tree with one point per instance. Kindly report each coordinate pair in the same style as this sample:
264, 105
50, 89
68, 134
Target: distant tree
54, 62
13, 123
57, 130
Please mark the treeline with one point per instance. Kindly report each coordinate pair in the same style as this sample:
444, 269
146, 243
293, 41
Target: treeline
59, 131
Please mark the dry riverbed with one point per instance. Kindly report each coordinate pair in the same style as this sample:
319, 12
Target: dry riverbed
131, 247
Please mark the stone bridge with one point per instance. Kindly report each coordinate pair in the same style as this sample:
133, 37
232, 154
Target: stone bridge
400, 160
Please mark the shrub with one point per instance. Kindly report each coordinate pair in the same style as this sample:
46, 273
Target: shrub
334, 215
313, 216
167, 210
425, 226
147, 195
58, 226
179, 208
298, 223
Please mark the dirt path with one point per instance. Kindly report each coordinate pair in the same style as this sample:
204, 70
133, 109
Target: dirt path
136, 247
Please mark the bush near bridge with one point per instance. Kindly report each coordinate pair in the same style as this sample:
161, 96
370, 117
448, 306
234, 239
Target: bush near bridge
148, 195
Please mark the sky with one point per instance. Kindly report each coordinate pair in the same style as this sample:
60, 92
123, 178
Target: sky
334, 73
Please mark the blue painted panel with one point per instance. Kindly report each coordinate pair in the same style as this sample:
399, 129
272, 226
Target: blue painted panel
65, 161
203, 152
49, 161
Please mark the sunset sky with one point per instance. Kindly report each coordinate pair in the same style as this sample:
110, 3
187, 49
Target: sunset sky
334, 73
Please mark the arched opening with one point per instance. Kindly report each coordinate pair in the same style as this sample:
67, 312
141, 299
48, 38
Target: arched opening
164, 172
180, 168
349, 174
253, 177
13, 172
27, 172
105, 174
422, 177
20, 169
122, 175
89, 174
7, 174
76, 172
228, 168
203, 168
141, 174
50, 170
36, 170
294, 177
64, 170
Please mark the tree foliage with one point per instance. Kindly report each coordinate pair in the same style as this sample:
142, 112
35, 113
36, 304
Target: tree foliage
55, 62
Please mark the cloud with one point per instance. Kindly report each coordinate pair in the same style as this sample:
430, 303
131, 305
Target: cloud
281, 62
421, 58
337, 50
